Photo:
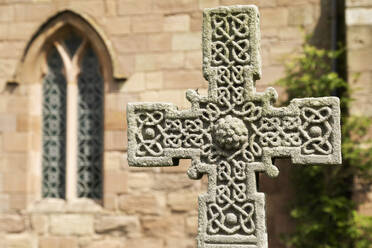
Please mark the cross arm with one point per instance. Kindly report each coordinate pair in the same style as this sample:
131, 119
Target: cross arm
308, 131
159, 134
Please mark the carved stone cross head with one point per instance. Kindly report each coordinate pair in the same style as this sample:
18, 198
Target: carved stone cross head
234, 132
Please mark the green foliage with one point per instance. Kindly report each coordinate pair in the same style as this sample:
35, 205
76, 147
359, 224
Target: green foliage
324, 212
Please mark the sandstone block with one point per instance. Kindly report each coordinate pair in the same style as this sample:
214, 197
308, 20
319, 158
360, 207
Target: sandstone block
95, 8
291, 33
274, 17
71, 224
359, 60
109, 243
15, 182
111, 7
18, 105
122, 225
147, 23
172, 183
116, 141
154, 80
7, 13
196, 21
7, 122
58, 242
144, 203
21, 30
110, 201
115, 120
113, 161
301, 15
4, 203
259, 3
138, 182
164, 226
290, 2
192, 225
127, 59
83, 205
135, 83
271, 74
176, 23
16, 142
186, 41
183, 200
159, 61
115, 181
31, 12
119, 101
184, 79
358, 3
208, 4
358, 16
19, 241
11, 50
180, 243
160, 42
134, 43
359, 37
282, 52
117, 25
193, 60
12, 223
39, 223
145, 242
129, 7
174, 6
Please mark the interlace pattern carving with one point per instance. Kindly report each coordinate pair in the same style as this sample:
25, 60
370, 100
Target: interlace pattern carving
234, 132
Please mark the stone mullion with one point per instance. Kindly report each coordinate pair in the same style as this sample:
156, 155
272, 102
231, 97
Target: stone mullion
71, 71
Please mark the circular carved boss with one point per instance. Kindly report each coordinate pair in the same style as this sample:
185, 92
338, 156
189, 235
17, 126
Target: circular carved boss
230, 133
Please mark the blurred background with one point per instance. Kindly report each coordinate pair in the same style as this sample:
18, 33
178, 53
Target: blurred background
68, 68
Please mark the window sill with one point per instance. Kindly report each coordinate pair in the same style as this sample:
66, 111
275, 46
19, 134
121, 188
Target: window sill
51, 205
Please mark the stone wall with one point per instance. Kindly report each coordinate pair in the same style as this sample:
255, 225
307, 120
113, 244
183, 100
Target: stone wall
359, 55
158, 46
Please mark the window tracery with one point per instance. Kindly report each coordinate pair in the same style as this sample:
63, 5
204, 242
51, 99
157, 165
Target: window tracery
72, 118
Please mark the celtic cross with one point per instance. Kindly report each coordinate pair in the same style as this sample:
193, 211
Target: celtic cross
234, 132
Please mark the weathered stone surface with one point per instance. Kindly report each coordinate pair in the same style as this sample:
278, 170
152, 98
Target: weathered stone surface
358, 16
179, 243
164, 226
192, 225
107, 244
234, 132
11, 223
19, 241
177, 23
39, 223
125, 225
145, 242
182, 200
71, 224
145, 203
58, 242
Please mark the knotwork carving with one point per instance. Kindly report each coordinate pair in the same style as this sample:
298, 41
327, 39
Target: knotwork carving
231, 213
234, 132
317, 130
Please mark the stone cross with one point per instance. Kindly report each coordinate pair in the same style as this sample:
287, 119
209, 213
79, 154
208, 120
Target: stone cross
234, 132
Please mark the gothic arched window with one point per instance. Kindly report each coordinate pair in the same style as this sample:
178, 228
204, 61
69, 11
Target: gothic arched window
72, 118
